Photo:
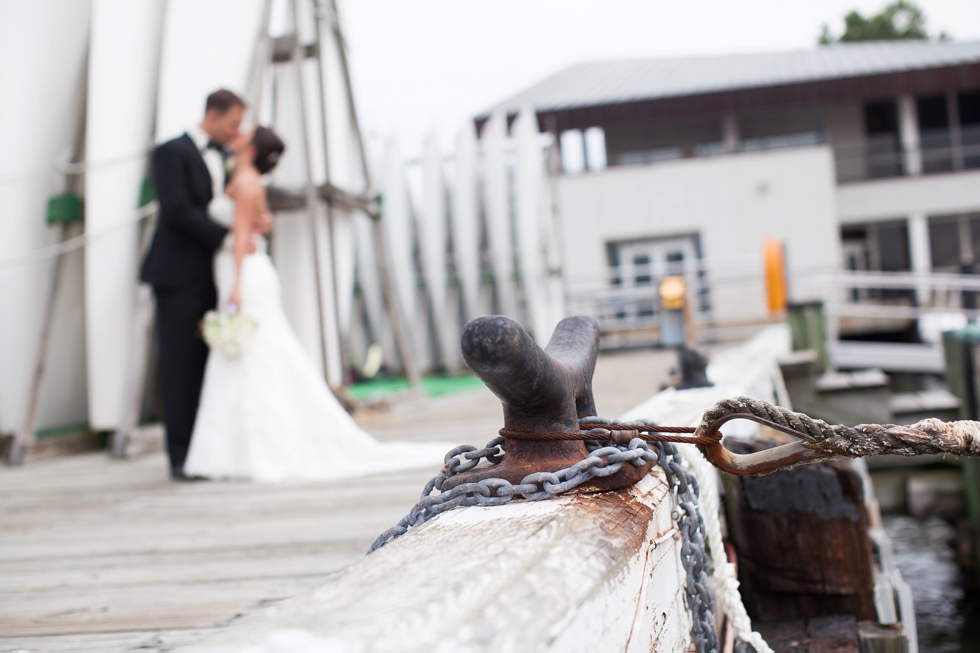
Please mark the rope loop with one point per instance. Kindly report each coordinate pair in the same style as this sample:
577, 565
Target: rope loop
929, 436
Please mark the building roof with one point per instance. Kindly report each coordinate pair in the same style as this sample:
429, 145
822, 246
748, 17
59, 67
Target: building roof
616, 82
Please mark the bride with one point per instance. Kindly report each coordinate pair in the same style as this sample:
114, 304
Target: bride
268, 415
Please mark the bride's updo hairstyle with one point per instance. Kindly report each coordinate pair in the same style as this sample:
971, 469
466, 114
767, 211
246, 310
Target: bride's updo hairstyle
268, 149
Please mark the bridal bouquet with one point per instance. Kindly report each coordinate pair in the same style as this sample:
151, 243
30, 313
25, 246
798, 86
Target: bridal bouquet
228, 331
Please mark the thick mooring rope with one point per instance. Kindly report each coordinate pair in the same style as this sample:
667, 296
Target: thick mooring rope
929, 436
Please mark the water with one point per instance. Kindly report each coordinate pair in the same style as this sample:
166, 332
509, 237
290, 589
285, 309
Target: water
947, 616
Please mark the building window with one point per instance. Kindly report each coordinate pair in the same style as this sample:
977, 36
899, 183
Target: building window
663, 142
944, 244
643, 274
635, 157
954, 243
884, 158
637, 267
954, 247
893, 247
780, 130
881, 247
934, 137
572, 144
595, 148
968, 105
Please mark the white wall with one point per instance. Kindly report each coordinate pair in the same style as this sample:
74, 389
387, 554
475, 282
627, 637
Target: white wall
42, 68
888, 199
123, 60
845, 125
733, 202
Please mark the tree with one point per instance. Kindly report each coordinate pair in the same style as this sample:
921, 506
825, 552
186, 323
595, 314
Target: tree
899, 20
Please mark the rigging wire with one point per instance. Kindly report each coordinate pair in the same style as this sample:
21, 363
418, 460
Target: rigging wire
79, 241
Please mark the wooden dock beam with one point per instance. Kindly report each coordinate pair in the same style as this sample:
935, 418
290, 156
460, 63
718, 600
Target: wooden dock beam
591, 573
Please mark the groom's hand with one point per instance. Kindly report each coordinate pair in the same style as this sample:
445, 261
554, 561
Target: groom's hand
263, 222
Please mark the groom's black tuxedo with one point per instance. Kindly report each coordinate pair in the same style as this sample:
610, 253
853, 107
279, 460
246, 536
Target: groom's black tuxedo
179, 267
186, 238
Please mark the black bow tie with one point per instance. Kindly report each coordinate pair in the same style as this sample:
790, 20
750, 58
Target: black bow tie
217, 146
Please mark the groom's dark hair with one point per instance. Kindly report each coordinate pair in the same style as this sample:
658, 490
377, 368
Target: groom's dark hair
222, 101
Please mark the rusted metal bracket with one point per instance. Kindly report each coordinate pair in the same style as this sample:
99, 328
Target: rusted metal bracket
286, 199
542, 391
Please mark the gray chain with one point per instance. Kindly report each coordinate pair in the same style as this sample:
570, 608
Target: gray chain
498, 491
694, 558
544, 485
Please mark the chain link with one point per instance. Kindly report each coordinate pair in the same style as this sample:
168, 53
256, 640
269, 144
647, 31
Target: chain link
694, 557
544, 485
498, 491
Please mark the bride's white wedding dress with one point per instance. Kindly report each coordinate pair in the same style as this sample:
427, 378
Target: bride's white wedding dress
268, 415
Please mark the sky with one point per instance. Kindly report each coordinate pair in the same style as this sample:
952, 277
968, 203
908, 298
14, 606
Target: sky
420, 66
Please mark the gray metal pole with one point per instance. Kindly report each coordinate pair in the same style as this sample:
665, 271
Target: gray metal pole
312, 198
259, 61
394, 312
24, 438
139, 352
317, 18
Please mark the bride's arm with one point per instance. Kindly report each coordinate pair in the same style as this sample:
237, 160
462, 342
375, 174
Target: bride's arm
247, 202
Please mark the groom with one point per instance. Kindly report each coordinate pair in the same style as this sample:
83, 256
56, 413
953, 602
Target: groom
188, 172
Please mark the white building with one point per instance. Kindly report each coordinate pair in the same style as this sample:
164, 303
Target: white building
860, 157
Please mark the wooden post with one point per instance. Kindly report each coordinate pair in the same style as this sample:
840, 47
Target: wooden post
317, 18
312, 198
262, 55
24, 438
826, 567
394, 312
962, 351
690, 335
138, 353
807, 326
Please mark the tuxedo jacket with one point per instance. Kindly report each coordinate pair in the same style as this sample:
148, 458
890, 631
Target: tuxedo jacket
181, 255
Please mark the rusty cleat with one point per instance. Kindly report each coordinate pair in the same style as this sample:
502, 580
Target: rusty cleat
542, 391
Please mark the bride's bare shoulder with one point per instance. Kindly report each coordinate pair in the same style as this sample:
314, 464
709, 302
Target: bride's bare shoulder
246, 184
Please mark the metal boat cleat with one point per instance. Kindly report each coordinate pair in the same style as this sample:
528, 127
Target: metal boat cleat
542, 391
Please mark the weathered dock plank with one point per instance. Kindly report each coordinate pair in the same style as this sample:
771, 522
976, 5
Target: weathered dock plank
89, 545
136, 640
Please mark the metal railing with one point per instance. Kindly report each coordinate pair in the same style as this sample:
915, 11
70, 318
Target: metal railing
628, 298
939, 150
872, 295
733, 291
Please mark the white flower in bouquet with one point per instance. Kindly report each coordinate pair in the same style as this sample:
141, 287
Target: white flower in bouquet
228, 331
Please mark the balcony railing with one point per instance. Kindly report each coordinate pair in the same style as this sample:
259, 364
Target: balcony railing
883, 156
732, 291
625, 300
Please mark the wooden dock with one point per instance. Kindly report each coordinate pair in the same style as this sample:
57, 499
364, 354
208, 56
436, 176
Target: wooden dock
110, 556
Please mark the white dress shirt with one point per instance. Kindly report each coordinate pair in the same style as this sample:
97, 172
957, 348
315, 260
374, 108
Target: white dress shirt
212, 159
221, 208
